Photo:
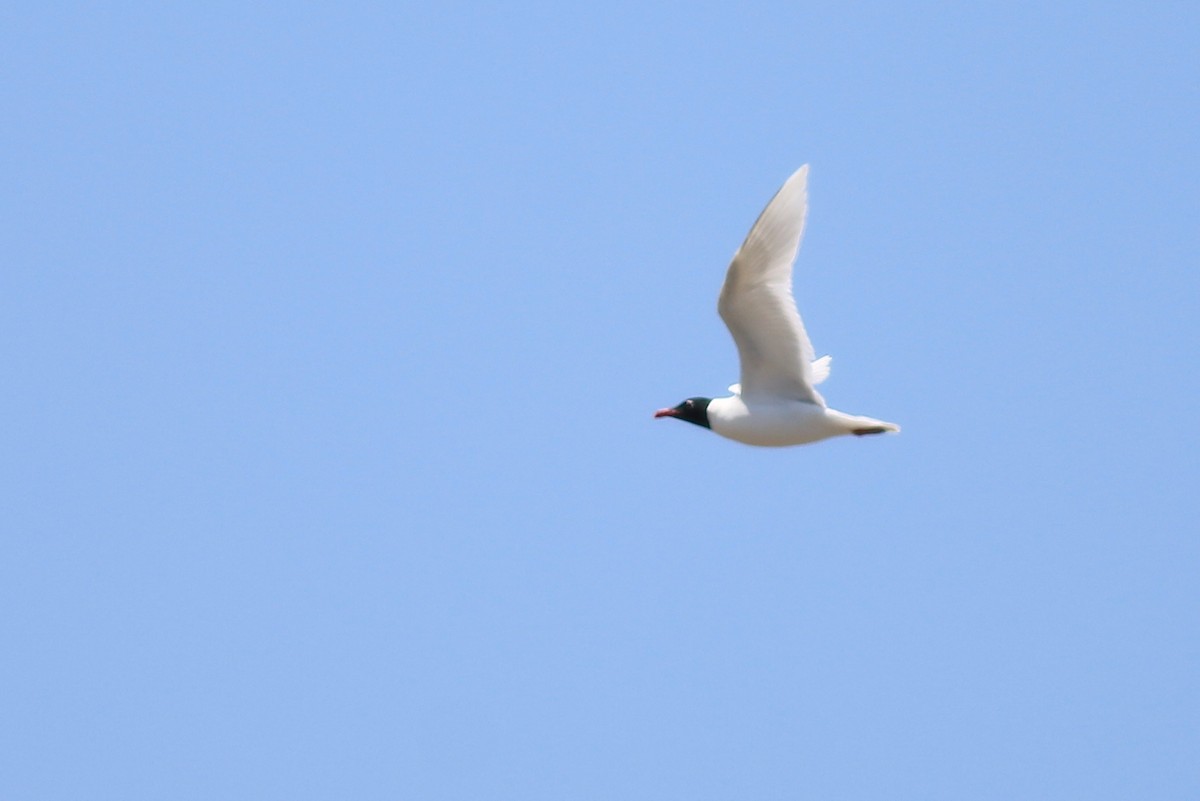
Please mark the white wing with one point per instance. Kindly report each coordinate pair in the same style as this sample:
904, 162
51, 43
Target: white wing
757, 305
820, 371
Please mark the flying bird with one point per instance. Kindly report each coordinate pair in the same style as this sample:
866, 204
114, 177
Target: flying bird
776, 403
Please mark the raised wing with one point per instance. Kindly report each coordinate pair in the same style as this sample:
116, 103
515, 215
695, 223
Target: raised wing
757, 306
820, 371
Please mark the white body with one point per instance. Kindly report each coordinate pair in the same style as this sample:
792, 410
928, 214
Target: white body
779, 422
776, 403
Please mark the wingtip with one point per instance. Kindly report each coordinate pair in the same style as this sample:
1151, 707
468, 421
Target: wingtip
880, 427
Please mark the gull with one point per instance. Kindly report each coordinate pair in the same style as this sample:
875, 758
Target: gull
776, 404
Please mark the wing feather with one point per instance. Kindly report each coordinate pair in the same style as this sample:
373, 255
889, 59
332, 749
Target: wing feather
756, 301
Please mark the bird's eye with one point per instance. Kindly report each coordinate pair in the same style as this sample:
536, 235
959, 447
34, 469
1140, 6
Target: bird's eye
689, 403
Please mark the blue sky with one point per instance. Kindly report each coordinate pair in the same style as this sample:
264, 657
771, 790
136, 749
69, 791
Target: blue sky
333, 333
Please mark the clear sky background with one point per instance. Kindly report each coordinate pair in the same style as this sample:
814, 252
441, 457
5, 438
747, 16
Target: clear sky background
331, 336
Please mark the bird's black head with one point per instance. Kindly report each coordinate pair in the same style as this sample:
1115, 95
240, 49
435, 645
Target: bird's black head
693, 410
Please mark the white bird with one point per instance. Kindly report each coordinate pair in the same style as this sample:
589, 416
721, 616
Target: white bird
776, 403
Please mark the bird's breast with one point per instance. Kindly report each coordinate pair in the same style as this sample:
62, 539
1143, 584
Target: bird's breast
772, 423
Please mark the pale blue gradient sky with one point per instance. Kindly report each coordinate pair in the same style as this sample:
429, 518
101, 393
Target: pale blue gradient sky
332, 335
